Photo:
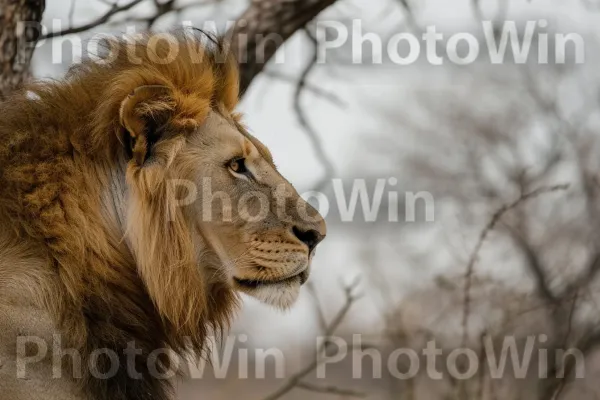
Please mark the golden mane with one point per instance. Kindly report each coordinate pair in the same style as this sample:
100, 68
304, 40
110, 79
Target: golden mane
61, 145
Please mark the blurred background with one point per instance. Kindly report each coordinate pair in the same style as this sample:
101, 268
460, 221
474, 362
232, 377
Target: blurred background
506, 245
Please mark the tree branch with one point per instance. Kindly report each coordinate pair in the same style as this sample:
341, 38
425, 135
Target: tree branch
115, 9
163, 9
296, 380
303, 119
255, 38
586, 344
264, 27
496, 217
534, 265
313, 89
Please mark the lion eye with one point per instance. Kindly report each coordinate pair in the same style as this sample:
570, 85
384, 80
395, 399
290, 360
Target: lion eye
238, 166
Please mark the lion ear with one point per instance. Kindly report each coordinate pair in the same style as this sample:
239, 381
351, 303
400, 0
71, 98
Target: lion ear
144, 115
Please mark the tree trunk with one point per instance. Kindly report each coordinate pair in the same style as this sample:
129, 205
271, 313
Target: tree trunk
264, 27
18, 35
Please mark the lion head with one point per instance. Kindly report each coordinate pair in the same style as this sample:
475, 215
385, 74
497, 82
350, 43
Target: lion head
230, 211
219, 186
151, 201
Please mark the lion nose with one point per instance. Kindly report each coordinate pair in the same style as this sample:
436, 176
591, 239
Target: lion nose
310, 237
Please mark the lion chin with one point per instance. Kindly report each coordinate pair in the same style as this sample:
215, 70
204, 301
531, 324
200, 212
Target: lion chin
280, 294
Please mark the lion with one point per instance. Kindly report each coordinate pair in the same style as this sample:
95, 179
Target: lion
135, 207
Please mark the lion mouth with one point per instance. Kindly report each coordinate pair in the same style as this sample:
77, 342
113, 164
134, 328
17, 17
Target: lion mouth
258, 283
280, 293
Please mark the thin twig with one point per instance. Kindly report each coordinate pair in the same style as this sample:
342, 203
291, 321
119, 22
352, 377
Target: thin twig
587, 277
303, 120
297, 378
482, 237
314, 89
585, 345
563, 381
72, 13
410, 16
534, 264
319, 308
115, 9
162, 10
476, 8
482, 371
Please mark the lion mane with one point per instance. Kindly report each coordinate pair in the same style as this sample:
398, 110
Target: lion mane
60, 146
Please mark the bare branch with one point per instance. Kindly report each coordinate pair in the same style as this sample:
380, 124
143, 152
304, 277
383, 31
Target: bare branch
163, 9
255, 38
303, 119
410, 15
313, 89
586, 344
115, 9
297, 378
588, 276
496, 217
72, 12
534, 264
496, 19
264, 26
318, 306
476, 8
